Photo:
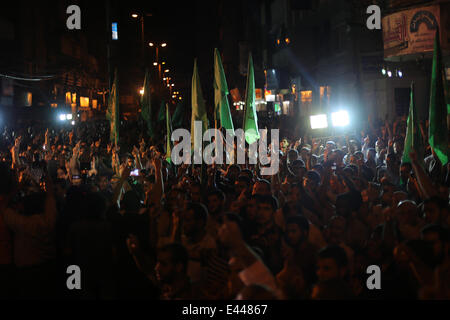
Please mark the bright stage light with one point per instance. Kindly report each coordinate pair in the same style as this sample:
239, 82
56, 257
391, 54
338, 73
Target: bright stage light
62, 117
68, 116
340, 118
319, 121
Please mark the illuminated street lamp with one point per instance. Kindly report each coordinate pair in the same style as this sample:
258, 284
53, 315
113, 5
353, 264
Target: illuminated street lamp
141, 17
163, 45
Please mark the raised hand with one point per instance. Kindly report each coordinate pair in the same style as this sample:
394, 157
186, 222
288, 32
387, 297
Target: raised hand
135, 152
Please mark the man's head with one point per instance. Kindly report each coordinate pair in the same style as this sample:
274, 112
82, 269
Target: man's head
103, 182
233, 172
337, 229
311, 181
407, 212
130, 161
194, 219
61, 173
437, 237
242, 183
332, 263
262, 187
371, 154
379, 145
433, 210
171, 265
248, 173
216, 200
297, 230
391, 160
292, 155
267, 205
195, 192
298, 168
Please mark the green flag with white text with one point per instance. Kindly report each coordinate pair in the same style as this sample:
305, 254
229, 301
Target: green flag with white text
221, 105
438, 130
112, 114
250, 116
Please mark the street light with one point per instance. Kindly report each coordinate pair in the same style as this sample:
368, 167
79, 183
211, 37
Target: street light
163, 45
141, 17
167, 70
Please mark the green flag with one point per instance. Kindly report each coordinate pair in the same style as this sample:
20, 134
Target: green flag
178, 115
112, 114
169, 135
162, 112
198, 114
221, 106
250, 116
198, 104
146, 106
438, 131
414, 139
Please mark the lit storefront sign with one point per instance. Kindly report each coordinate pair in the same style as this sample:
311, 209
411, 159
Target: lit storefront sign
412, 31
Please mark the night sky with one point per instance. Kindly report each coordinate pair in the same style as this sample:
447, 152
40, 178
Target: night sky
189, 28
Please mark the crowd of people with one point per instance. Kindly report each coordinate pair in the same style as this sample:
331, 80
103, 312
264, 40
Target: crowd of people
140, 227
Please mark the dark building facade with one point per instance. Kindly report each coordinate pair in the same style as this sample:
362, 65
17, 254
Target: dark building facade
46, 68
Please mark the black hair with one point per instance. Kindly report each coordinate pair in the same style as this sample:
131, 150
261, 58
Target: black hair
63, 169
267, 199
244, 179
231, 216
265, 182
298, 162
336, 253
436, 228
218, 193
247, 172
200, 211
314, 176
299, 220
